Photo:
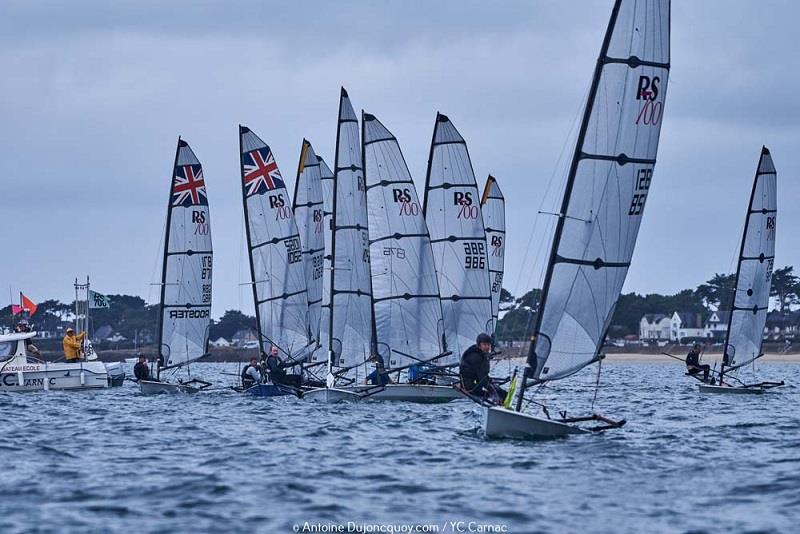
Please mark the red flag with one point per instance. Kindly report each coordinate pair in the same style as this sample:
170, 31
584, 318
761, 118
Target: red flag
16, 309
27, 304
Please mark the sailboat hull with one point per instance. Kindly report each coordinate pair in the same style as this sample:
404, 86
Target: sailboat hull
331, 395
740, 390
423, 393
266, 390
156, 388
503, 423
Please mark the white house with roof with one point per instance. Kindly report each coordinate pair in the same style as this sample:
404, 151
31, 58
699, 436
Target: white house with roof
654, 326
717, 324
683, 325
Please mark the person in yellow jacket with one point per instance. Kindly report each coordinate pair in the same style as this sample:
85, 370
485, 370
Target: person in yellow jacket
73, 345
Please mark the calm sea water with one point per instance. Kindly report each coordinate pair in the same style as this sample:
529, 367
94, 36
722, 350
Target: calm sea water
114, 461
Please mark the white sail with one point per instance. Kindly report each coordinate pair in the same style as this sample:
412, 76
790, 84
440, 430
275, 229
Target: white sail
351, 293
754, 273
452, 212
276, 258
405, 290
185, 311
326, 180
308, 212
493, 208
606, 189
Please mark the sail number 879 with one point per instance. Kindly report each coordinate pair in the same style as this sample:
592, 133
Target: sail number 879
643, 177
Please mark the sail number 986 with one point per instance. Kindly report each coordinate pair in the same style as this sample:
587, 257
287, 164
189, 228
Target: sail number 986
474, 255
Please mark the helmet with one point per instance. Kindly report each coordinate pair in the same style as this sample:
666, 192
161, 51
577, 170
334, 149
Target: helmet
483, 338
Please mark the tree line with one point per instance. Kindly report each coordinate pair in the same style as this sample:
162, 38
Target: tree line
133, 318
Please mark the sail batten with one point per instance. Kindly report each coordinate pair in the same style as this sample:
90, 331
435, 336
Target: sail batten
275, 252
606, 191
186, 280
408, 312
750, 300
452, 211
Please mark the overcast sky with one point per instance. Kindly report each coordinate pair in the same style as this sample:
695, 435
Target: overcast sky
93, 95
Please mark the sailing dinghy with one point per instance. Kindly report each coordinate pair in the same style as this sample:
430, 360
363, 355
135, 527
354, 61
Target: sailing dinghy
458, 238
748, 315
278, 275
405, 289
350, 321
601, 210
493, 209
184, 315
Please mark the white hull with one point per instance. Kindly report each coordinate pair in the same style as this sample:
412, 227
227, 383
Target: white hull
331, 395
24, 376
503, 423
755, 390
155, 388
414, 393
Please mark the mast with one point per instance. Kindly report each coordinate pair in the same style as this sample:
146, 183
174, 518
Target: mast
342, 96
160, 332
374, 331
243, 130
765, 167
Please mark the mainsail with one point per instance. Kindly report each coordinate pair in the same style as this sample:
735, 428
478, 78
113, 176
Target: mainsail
405, 290
273, 243
754, 272
351, 322
308, 212
185, 310
453, 215
326, 179
605, 192
493, 208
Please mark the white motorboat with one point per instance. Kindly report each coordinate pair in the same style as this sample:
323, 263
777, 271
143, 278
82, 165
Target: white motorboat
21, 372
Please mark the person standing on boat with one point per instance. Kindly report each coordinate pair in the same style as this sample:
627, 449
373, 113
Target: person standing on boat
474, 371
23, 327
141, 370
251, 374
73, 345
277, 370
693, 363
379, 376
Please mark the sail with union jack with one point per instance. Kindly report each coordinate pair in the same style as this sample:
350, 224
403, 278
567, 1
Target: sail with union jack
189, 187
261, 173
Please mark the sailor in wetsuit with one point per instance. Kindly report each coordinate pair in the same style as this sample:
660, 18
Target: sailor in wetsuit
693, 363
141, 371
251, 374
474, 371
379, 376
277, 370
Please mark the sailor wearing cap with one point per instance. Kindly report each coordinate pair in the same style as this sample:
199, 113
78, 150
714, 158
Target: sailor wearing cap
73, 345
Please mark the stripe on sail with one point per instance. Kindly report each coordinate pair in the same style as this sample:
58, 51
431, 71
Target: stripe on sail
452, 212
185, 307
326, 179
606, 190
308, 212
276, 260
748, 311
493, 208
405, 289
351, 322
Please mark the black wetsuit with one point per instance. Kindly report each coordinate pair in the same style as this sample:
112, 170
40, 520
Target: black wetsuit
278, 374
141, 371
474, 370
693, 365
